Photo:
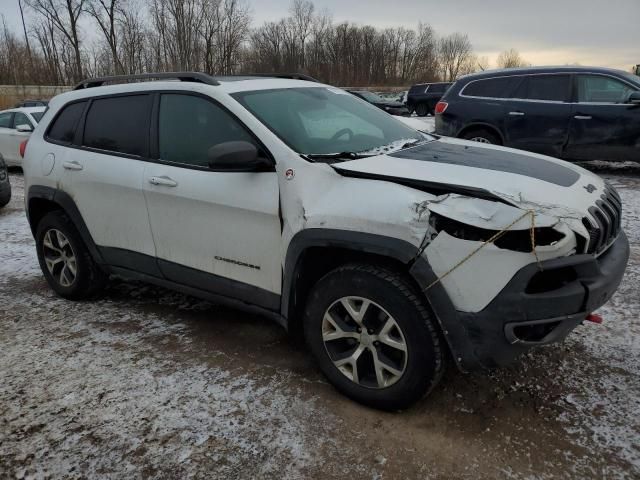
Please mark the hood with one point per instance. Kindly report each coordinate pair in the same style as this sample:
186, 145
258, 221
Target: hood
546, 185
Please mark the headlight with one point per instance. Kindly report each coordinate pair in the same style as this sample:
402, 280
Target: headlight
515, 240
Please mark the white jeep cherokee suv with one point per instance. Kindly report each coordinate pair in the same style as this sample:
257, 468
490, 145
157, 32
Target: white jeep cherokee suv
387, 248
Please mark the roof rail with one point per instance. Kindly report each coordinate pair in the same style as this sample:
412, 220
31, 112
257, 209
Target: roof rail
292, 76
182, 76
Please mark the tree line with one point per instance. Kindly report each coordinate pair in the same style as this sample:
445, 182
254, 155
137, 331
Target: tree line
52, 45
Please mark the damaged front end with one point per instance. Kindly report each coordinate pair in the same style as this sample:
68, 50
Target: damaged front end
498, 291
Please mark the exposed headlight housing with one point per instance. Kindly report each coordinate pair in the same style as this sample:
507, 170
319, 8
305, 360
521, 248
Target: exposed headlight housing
515, 240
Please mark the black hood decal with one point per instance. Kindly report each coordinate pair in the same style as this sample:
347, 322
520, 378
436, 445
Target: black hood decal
489, 159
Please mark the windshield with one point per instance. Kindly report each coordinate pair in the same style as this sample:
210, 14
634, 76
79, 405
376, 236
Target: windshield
37, 116
322, 120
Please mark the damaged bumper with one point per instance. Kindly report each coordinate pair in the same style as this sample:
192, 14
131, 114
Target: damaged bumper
536, 307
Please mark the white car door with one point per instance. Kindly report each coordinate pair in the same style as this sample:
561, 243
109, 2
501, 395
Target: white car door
214, 230
6, 139
104, 177
16, 137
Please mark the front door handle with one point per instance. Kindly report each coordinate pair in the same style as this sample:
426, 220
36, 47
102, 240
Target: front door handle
163, 181
72, 165
583, 117
516, 114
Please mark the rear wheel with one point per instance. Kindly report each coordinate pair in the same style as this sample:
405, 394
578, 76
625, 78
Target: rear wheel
422, 109
373, 337
5, 197
65, 260
482, 135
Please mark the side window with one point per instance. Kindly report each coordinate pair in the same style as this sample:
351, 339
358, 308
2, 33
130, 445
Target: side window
119, 124
600, 89
21, 119
490, 88
552, 88
63, 128
189, 126
5, 119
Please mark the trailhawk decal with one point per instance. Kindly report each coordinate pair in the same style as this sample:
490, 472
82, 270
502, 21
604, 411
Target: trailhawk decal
237, 262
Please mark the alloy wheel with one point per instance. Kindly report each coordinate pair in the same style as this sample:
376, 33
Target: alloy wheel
59, 257
364, 342
480, 139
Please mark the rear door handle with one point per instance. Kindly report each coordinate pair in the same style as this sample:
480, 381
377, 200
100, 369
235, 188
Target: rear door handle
163, 181
583, 117
517, 114
72, 165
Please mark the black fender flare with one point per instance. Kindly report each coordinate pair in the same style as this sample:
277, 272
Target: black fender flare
68, 205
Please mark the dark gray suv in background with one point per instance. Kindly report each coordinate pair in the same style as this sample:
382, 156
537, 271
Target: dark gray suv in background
574, 113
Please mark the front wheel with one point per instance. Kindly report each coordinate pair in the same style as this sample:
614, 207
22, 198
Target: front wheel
373, 337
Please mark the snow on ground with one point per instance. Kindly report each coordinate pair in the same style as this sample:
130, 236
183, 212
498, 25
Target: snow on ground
149, 383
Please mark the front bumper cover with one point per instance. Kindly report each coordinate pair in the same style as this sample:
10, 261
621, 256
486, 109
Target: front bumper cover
536, 307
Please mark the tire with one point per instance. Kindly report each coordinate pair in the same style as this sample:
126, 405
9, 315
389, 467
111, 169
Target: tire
5, 197
482, 135
422, 110
60, 246
391, 300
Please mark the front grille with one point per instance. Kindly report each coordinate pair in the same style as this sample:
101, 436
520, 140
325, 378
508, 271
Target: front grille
604, 224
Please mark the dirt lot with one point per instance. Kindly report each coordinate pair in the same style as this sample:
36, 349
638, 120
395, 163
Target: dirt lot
149, 383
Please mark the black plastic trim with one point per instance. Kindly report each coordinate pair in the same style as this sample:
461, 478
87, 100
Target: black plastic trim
319, 237
219, 285
67, 204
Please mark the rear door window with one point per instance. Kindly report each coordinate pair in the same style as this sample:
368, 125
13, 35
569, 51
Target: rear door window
499, 87
21, 119
63, 128
119, 124
550, 88
601, 89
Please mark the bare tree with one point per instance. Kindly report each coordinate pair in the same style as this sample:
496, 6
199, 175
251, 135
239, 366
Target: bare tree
64, 16
455, 52
106, 14
483, 63
511, 59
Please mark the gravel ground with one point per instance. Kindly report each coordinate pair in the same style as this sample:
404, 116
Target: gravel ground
149, 383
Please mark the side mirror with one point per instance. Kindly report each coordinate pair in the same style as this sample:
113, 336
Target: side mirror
237, 156
634, 98
24, 128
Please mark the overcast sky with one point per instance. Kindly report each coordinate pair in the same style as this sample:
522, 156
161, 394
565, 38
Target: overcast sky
546, 32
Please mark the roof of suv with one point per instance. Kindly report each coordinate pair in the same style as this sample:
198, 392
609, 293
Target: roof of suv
534, 70
187, 81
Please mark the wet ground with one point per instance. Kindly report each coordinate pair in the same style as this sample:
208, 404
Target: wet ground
148, 383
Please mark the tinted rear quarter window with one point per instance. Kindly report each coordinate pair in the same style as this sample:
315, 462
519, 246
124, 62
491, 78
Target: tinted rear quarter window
63, 128
554, 88
499, 87
119, 124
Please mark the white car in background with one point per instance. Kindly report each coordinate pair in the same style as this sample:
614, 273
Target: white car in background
16, 126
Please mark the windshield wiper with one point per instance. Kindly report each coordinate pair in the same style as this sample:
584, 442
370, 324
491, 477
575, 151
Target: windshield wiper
335, 156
